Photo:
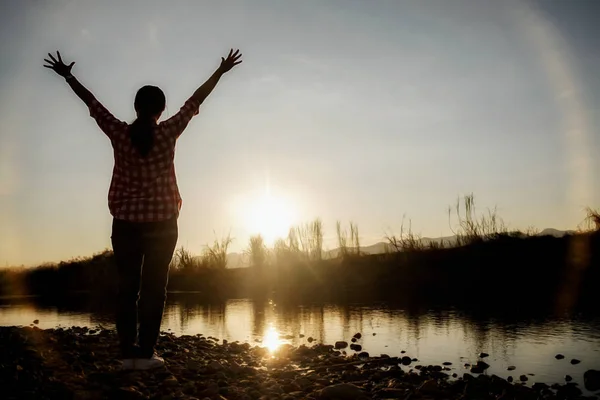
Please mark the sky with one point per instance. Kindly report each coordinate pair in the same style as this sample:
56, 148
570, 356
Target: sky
363, 111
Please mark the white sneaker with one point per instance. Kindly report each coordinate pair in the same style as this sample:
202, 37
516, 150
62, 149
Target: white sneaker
149, 363
128, 363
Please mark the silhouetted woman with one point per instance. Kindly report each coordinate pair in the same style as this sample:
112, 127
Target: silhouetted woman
144, 201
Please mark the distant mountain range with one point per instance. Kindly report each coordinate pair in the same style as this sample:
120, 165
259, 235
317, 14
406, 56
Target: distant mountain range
235, 260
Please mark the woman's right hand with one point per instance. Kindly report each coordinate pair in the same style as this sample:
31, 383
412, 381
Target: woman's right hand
231, 61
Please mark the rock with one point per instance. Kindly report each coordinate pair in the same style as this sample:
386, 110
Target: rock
303, 383
341, 344
127, 392
405, 360
569, 378
568, 391
559, 356
374, 334
575, 361
523, 378
455, 375
171, 381
403, 351
353, 340
310, 339
363, 354
479, 367
355, 347
446, 363
357, 335
392, 393
483, 355
539, 386
510, 379
511, 368
429, 386
342, 391
215, 366
414, 360
36, 321
591, 379
301, 335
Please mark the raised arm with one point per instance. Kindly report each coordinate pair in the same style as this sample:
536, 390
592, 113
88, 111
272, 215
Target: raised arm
177, 123
207, 87
64, 70
105, 120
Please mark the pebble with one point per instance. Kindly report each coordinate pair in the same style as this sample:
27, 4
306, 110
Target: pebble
83, 366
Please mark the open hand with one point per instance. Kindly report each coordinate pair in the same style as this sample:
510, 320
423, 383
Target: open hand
231, 61
59, 67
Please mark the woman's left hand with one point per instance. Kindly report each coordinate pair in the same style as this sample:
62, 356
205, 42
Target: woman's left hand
58, 66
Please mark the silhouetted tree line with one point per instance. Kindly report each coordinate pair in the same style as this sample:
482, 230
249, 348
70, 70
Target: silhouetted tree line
523, 271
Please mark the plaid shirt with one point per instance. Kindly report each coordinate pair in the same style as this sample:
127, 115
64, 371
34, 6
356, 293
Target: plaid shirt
144, 189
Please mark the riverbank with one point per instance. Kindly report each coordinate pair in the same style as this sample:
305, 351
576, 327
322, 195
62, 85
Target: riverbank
528, 272
81, 363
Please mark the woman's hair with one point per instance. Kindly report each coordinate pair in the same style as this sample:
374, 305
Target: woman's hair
149, 102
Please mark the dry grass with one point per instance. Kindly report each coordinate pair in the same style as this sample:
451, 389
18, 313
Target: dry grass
470, 227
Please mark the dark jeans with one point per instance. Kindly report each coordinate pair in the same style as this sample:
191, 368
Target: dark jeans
143, 252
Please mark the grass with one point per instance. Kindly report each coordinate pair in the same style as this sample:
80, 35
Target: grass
299, 258
470, 227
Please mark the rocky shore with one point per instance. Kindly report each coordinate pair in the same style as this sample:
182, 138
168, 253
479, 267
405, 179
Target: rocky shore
82, 363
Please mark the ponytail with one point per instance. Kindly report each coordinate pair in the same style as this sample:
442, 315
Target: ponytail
149, 104
141, 133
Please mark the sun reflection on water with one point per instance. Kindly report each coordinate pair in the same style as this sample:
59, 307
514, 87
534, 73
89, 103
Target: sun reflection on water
271, 339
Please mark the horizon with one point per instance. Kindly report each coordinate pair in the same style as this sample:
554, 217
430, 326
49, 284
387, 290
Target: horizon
340, 111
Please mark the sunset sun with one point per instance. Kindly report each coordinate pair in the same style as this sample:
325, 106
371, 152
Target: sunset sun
270, 216
266, 212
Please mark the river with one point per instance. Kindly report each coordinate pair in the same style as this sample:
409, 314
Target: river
433, 335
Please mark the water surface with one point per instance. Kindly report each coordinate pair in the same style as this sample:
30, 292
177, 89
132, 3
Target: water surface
433, 335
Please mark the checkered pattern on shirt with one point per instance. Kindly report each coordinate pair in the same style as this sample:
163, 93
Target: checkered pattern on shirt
144, 189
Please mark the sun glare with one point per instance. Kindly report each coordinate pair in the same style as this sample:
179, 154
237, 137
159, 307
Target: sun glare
271, 339
270, 216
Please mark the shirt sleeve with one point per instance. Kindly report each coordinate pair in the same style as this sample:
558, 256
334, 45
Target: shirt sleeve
105, 120
178, 122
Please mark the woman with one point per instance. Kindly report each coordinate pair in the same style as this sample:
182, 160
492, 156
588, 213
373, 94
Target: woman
144, 201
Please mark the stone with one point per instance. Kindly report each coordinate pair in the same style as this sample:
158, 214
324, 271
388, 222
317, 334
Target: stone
539, 386
355, 347
559, 356
406, 360
591, 379
483, 355
523, 378
341, 344
575, 361
511, 368
342, 391
357, 335
569, 378
171, 381
446, 363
